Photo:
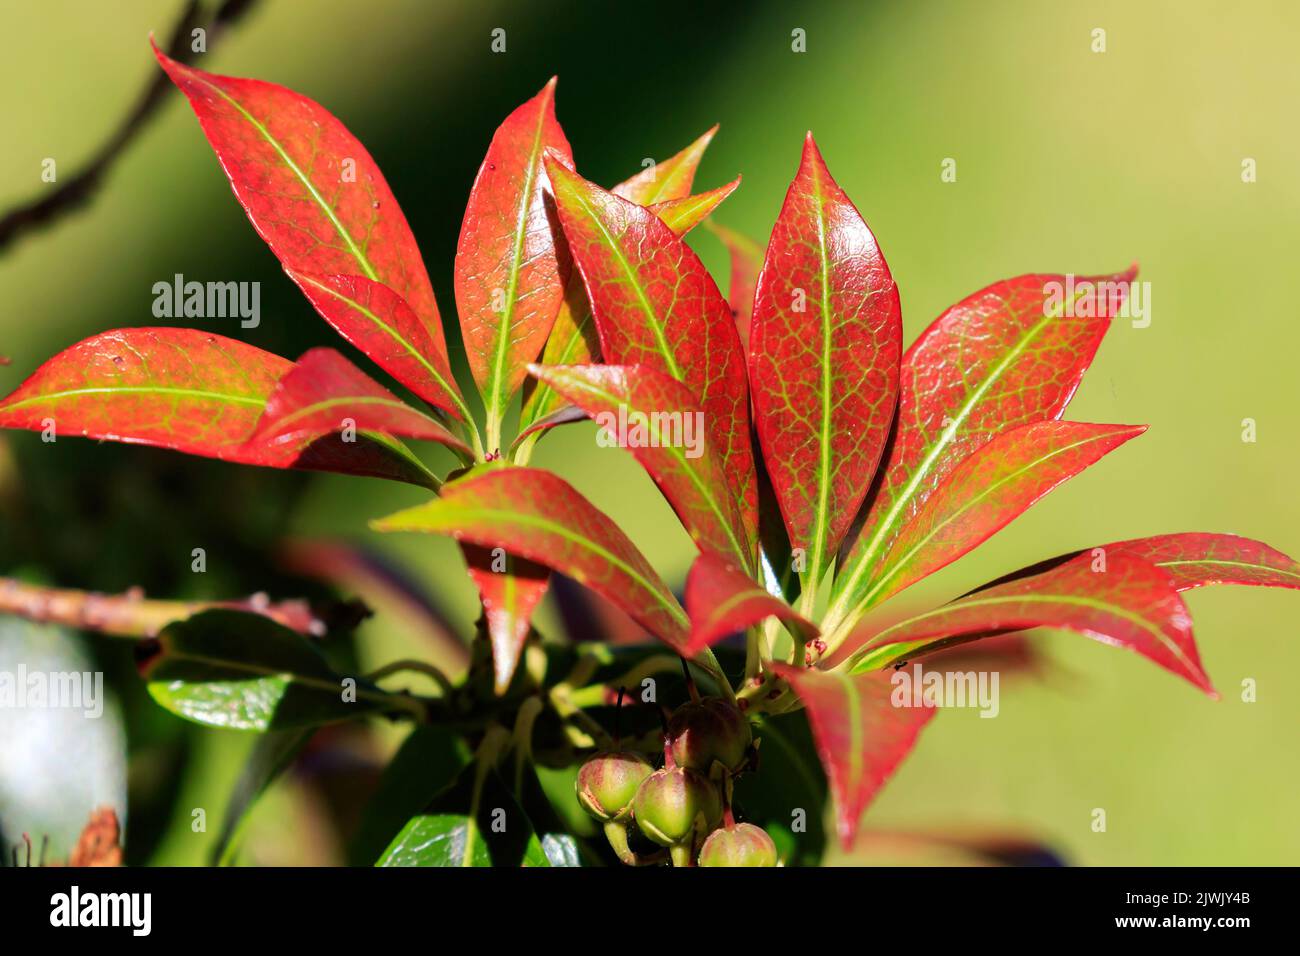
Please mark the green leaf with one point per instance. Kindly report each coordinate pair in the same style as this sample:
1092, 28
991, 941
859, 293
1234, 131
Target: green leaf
246, 672
790, 786
270, 757
474, 822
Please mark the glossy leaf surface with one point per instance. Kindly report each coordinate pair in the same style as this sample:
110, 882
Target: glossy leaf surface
457, 830
666, 435
1131, 604
721, 599
536, 515
309, 187
245, 672
378, 321
825, 344
655, 305
861, 736
987, 491
510, 271
1006, 356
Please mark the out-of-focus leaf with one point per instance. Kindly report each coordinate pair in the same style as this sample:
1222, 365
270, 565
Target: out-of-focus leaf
746, 257
1008, 355
510, 271
536, 515
1131, 603
987, 491
721, 599
825, 343
510, 589
656, 305
666, 434
245, 672
861, 735
271, 756
309, 187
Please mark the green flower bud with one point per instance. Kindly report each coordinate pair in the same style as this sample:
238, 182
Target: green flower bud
607, 783
708, 730
741, 844
672, 805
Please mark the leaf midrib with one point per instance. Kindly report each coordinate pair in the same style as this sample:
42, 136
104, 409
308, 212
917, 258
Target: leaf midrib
631, 278
255, 400
1070, 599
353, 248
684, 464
497, 514
899, 565
496, 391
946, 437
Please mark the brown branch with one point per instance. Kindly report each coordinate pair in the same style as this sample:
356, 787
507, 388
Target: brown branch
133, 615
78, 188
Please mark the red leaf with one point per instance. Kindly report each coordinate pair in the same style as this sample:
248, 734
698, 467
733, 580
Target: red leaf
510, 274
861, 735
746, 262
667, 180
309, 187
536, 515
573, 339
1131, 604
323, 392
825, 343
378, 321
721, 599
175, 388
987, 491
1196, 559
510, 589
655, 305
670, 423
1006, 356
186, 390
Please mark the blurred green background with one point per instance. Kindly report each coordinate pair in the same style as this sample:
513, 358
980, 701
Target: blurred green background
1067, 160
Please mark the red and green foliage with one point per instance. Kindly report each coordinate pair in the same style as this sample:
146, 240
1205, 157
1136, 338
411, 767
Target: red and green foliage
833, 470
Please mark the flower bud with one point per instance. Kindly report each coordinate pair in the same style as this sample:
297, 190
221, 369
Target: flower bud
741, 844
607, 783
674, 804
708, 730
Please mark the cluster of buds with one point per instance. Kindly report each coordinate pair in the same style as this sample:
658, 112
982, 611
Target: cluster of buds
685, 806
